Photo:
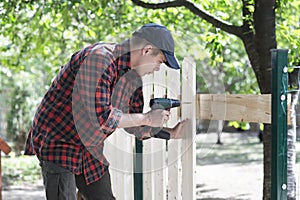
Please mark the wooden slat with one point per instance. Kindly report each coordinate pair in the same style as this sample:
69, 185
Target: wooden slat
159, 145
234, 107
188, 142
119, 152
174, 146
4, 147
147, 144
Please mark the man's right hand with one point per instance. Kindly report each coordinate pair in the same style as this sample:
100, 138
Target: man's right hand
157, 117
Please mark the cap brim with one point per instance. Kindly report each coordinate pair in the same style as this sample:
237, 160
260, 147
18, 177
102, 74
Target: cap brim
171, 60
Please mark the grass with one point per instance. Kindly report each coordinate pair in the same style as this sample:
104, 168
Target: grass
18, 170
241, 147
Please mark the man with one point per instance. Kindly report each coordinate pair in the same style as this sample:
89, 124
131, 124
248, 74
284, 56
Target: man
97, 91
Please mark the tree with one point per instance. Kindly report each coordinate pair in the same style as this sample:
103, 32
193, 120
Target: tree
258, 34
18, 118
39, 36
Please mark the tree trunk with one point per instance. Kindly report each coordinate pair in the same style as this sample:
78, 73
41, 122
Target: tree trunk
291, 150
257, 42
265, 40
258, 46
291, 137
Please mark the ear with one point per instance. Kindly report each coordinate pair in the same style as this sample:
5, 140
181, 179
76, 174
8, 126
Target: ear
147, 49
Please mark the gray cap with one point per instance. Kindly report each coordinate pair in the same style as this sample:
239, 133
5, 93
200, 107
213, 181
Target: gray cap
161, 37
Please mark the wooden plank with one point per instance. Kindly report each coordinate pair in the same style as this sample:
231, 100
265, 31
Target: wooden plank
159, 145
125, 164
119, 152
111, 156
147, 144
4, 147
234, 107
174, 146
188, 143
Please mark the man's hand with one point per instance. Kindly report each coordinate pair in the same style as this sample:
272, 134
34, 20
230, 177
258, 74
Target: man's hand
177, 131
154, 118
157, 117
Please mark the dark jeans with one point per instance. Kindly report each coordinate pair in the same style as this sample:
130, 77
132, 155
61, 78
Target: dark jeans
60, 184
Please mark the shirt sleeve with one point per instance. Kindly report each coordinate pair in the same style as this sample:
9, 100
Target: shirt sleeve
107, 115
136, 106
93, 113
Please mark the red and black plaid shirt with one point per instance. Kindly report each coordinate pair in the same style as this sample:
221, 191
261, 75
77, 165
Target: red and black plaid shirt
83, 107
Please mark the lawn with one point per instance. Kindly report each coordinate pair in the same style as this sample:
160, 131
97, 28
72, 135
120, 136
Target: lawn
20, 170
237, 148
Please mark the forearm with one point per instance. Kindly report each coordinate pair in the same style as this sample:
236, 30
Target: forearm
133, 120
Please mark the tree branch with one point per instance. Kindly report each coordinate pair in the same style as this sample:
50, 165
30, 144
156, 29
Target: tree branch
235, 30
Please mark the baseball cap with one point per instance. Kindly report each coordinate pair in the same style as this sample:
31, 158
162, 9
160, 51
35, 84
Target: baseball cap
161, 37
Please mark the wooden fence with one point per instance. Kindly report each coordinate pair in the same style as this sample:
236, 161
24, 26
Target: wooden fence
169, 167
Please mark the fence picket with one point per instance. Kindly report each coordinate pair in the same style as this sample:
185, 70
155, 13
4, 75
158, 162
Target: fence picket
159, 145
168, 167
147, 144
174, 146
188, 143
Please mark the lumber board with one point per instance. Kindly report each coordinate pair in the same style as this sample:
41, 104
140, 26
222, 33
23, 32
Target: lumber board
234, 107
188, 146
174, 146
159, 155
4, 147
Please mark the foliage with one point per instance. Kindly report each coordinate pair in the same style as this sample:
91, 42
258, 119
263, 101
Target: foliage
18, 118
288, 30
36, 37
20, 170
39, 31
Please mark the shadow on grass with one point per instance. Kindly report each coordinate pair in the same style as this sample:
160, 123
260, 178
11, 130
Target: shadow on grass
237, 148
203, 191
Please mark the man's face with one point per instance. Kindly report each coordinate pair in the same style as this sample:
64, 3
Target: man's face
148, 63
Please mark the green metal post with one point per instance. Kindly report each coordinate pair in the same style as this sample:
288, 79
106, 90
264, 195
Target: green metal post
138, 170
279, 63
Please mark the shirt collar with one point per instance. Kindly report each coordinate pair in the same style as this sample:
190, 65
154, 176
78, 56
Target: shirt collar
122, 53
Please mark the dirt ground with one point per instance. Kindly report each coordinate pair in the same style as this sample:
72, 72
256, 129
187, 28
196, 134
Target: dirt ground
232, 171
230, 181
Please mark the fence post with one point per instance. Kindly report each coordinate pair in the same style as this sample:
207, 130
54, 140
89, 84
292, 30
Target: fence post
138, 170
279, 63
188, 143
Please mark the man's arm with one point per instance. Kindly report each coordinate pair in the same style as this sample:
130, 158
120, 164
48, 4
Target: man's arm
154, 118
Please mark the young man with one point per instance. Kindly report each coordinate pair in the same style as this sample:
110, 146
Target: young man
97, 91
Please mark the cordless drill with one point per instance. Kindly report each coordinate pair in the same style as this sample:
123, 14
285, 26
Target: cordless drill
166, 104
